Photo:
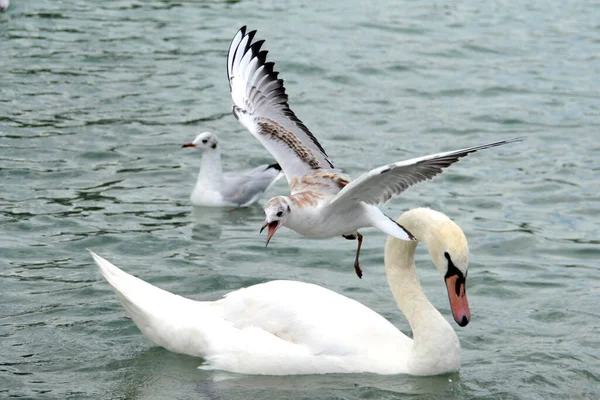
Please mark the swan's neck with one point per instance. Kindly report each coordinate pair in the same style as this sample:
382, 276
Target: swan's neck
210, 169
435, 344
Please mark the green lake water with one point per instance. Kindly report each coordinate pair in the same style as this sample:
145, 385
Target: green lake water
96, 99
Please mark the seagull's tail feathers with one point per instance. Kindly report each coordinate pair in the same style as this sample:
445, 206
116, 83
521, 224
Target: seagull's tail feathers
387, 225
163, 317
276, 172
275, 166
276, 178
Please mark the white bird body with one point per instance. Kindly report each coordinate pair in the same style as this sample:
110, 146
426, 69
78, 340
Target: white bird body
4, 5
314, 224
289, 327
320, 194
215, 188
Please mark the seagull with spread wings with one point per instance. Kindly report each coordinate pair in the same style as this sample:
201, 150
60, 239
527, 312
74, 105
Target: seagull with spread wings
323, 202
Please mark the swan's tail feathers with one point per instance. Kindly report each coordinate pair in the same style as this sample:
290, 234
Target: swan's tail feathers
391, 227
160, 315
134, 292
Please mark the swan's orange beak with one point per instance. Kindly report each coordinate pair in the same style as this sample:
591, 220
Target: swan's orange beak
457, 295
273, 226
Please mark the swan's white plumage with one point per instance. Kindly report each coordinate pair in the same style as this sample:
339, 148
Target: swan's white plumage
261, 329
288, 327
162, 316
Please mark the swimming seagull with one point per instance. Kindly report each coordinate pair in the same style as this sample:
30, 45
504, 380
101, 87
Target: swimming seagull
216, 188
323, 202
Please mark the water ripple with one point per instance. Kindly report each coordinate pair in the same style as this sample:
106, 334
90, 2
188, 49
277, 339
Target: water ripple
97, 98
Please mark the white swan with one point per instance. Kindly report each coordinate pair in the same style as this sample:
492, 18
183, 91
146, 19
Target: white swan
289, 327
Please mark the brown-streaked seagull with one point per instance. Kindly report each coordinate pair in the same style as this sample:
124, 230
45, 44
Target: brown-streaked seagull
323, 202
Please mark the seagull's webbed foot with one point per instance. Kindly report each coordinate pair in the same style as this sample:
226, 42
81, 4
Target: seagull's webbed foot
356, 261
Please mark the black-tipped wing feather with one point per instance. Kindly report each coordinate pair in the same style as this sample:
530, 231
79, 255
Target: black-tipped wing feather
261, 105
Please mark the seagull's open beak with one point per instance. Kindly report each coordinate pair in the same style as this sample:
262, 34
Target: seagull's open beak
272, 228
188, 145
457, 295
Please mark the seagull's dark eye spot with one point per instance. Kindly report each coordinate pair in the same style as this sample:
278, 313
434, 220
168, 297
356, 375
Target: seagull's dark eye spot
204, 141
279, 213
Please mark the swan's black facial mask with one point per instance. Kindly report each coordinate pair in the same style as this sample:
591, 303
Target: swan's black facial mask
457, 294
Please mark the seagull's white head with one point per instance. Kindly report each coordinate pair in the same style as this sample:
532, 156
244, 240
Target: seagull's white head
277, 211
206, 141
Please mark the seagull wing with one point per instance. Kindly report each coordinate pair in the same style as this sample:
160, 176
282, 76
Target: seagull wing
247, 187
381, 184
261, 105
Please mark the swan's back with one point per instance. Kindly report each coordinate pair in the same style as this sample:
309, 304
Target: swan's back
274, 328
333, 332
